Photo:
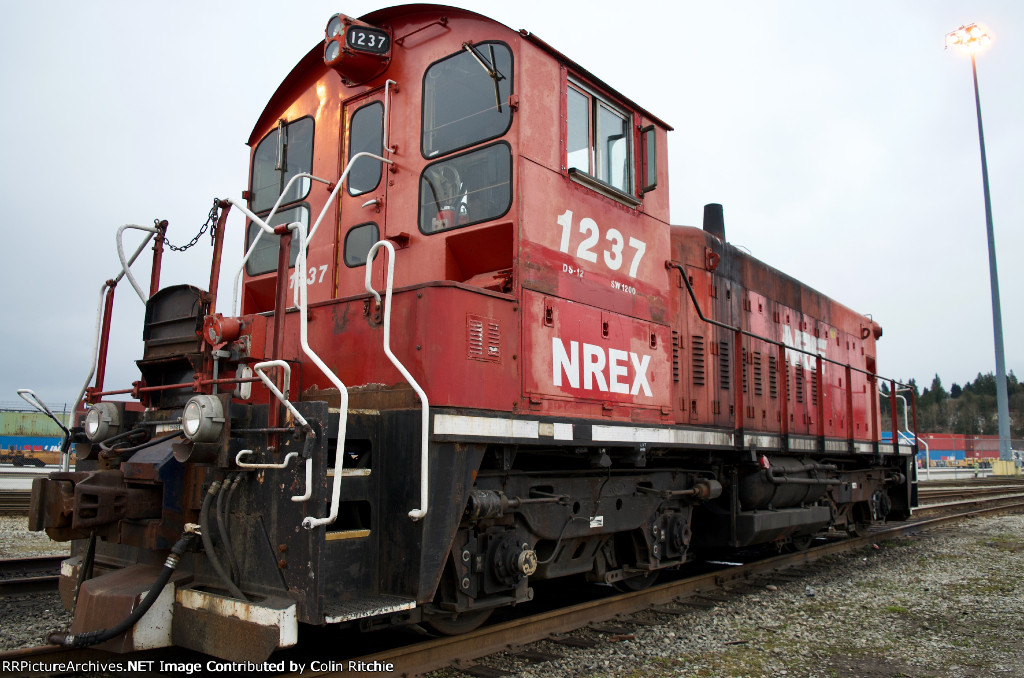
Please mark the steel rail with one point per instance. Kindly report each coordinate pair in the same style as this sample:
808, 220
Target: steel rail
15, 501
458, 651
19, 576
512, 635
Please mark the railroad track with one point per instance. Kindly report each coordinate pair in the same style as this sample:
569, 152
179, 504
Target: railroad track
671, 598
612, 616
14, 501
931, 495
19, 576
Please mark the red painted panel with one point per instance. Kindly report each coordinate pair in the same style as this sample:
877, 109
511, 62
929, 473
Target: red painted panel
576, 352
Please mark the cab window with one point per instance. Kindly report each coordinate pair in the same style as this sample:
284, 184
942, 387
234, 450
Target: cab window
280, 155
264, 258
366, 133
358, 242
465, 98
598, 141
466, 189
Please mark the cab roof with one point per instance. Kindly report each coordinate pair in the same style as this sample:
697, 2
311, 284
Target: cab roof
312, 65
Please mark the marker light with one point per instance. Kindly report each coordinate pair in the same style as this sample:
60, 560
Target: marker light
102, 422
203, 419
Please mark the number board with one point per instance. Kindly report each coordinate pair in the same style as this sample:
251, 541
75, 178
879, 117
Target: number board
371, 40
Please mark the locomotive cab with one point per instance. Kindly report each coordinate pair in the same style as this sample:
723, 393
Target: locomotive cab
470, 353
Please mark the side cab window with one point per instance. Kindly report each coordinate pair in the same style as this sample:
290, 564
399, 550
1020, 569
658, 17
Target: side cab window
600, 149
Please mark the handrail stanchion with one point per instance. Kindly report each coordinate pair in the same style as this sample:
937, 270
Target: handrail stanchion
738, 405
895, 417
158, 257
101, 356
99, 311
218, 250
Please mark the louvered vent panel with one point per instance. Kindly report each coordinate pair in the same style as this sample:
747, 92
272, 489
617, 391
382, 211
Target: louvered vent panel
483, 339
773, 377
676, 349
758, 377
724, 373
697, 352
799, 379
744, 368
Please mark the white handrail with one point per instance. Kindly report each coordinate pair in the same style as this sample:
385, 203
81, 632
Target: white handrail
66, 457
419, 513
309, 522
312, 232
126, 266
309, 483
238, 460
259, 368
29, 396
283, 397
264, 228
911, 438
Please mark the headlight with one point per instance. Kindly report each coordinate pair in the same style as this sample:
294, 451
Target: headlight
334, 27
102, 422
332, 51
203, 419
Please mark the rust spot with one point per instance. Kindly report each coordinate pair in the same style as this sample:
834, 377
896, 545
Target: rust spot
282, 564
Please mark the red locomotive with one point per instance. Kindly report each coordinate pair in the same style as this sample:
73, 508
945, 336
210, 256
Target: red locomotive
471, 353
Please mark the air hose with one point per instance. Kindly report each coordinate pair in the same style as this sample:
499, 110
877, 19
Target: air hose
93, 637
211, 554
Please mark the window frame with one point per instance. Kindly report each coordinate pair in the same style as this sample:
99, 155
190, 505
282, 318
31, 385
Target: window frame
295, 241
379, 151
476, 142
596, 102
511, 191
344, 247
252, 169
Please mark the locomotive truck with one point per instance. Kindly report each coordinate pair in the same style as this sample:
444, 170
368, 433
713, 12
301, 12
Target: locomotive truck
470, 353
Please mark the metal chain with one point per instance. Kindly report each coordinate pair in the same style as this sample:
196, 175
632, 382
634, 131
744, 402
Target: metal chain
211, 223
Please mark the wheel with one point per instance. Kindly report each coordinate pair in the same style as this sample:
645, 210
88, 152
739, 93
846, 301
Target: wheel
455, 625
799, 543
857, 529
638, 583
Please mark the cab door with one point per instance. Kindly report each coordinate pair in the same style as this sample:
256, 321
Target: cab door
362, 198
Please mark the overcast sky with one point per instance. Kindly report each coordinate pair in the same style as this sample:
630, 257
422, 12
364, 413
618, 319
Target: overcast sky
840, 137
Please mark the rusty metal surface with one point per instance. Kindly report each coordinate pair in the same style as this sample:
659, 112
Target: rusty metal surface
106, 600
226, 637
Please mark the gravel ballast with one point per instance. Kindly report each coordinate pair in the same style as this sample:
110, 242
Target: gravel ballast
946, 603
943, 604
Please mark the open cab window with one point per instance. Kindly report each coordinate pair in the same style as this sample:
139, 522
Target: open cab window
599, 141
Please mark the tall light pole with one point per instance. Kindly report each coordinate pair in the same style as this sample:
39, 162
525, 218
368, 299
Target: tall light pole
973, 39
